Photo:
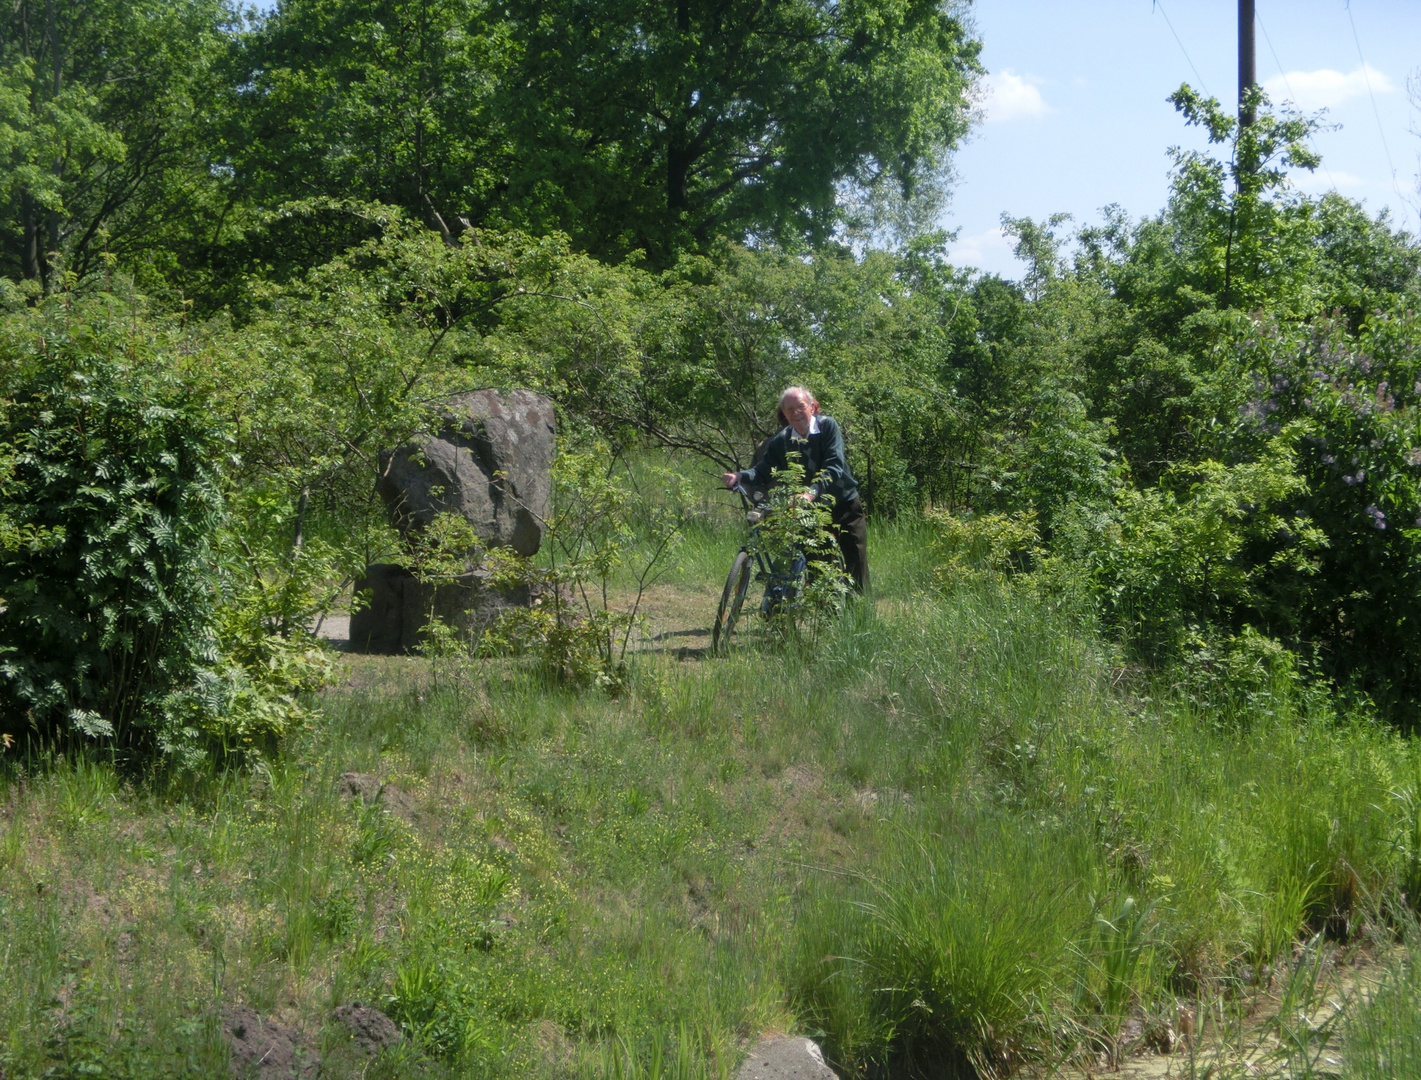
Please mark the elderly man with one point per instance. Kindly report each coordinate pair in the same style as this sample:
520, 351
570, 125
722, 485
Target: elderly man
819, 442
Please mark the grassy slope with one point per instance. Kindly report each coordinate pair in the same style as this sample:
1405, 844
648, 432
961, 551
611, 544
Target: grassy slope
937, 838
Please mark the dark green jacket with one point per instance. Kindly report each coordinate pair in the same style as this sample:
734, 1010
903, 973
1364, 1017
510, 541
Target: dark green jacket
826, 470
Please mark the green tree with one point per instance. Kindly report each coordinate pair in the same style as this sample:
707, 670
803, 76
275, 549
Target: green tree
669, 124
1253, 355
104, 108
1236, 241
389, 101
626, 126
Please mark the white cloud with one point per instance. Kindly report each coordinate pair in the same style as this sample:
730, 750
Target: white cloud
1009, 96
1326, 88
990, 251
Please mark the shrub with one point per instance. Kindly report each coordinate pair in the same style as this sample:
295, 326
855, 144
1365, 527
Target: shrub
1353, 405
991, 547
603, 526
805, 604
113, 499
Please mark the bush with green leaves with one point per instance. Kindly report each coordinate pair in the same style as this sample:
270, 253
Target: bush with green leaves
991, 547
609, 538
115, 623
108, 629
1185, 552
1348, 406
796, 527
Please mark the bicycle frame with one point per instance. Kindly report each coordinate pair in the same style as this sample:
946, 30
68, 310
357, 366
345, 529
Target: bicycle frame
784, 577
781, 584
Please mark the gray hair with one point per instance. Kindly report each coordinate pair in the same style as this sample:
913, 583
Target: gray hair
804, 390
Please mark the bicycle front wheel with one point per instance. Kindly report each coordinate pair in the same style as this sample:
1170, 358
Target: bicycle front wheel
732, 599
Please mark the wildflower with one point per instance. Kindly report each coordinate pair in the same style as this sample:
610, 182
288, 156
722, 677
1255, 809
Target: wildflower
1378, 518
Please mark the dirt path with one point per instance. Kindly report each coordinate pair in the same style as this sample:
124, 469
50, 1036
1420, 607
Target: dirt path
673, 619
1293, 1029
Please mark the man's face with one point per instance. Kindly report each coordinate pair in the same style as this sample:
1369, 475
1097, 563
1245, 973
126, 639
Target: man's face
798, 409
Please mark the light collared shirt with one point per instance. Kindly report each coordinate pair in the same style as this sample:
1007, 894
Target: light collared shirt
813, 428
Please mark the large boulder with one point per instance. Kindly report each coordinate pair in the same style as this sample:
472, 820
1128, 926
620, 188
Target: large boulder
490, 461
400, 606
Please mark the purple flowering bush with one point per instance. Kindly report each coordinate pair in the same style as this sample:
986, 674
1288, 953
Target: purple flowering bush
1348, 406
1299, 519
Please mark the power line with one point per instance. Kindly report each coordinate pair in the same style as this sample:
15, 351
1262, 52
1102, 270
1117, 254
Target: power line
1289, 87
1366, 76
1159, 4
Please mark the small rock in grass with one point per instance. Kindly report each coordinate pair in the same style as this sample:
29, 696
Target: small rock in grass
785, 1058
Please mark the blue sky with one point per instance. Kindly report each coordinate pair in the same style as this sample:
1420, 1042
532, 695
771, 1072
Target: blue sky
1076, 116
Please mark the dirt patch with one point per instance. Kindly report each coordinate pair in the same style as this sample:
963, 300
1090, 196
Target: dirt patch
675, 619
785, 1058
370, 1030
90, 905
799, 779
400, 803
1255, 1038
334, 628
371, 789
553, 1045
870, 799
362, 786
262, 1048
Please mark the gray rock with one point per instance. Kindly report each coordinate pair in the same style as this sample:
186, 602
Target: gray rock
490, 461
392, 623
785, 1058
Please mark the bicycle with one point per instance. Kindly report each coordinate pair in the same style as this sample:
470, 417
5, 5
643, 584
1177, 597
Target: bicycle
784, 580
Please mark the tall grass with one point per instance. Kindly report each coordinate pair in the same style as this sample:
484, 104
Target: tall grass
1067, 860
1383, 1035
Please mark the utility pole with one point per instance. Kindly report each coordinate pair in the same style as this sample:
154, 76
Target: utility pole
1247, 69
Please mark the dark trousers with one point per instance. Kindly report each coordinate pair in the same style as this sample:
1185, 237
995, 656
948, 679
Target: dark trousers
851, 530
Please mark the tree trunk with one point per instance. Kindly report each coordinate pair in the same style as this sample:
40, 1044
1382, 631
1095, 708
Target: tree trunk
32, 269
678, 163
56, 54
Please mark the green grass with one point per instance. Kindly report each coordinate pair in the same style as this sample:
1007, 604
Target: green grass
1383, 1035
940, 840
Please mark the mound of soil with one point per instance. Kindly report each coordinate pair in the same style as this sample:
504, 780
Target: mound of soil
372, 790
370, 1030
263, 1048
